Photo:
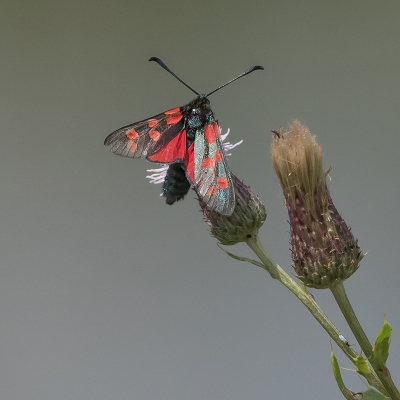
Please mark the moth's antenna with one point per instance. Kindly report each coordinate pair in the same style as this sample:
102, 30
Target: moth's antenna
159, 62
234, 79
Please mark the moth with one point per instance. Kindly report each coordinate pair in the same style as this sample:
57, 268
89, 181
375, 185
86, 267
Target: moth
188, 138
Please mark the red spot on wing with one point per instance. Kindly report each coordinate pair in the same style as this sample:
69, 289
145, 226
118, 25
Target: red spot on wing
189, 162
154, 134
131, 134
222, 183
209, 133
175, 149
216, 130
208, 163
174, 118
173, 111
152, 122
219, 156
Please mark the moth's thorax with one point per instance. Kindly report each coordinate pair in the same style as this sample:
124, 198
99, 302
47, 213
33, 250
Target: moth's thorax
198, 112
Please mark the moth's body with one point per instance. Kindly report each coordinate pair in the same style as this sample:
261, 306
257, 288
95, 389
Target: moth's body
198, 113
187, 138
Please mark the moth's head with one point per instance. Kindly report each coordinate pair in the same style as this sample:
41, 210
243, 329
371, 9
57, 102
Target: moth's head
199, 111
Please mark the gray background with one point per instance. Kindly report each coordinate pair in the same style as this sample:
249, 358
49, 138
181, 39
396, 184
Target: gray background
108, 293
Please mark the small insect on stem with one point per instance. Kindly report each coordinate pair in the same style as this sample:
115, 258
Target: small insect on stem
277, 133
344, 340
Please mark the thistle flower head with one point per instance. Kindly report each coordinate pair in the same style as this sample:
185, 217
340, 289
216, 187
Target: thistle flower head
245, 221
324, 250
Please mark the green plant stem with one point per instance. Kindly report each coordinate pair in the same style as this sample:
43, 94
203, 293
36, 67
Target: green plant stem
278, 273
341, 298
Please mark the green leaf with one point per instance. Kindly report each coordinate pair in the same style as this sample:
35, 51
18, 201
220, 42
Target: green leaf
380, 351
363, 368
348, 394
336, 370
372, 394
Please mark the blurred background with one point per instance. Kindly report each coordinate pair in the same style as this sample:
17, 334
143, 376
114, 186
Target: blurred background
108, 293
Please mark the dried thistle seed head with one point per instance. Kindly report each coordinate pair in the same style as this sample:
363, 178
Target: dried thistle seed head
324, 250
297, 159
245, 221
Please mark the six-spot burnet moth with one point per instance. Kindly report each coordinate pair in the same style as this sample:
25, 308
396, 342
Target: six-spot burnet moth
187, 138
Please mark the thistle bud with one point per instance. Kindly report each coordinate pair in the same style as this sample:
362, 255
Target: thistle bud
324, 250
245, 221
